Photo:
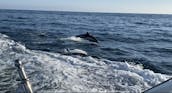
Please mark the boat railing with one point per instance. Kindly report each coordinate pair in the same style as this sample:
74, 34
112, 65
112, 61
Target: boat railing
24, 86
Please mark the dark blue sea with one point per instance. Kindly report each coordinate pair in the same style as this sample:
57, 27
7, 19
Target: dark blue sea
134, 51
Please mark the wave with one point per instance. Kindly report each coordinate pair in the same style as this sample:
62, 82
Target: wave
147, 23
54, 72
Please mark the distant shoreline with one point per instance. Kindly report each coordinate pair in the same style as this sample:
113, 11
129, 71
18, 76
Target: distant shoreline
82, 12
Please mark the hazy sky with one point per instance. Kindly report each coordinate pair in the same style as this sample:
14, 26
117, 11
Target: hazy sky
122, 6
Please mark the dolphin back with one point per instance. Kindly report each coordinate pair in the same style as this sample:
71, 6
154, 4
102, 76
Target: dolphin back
88, 37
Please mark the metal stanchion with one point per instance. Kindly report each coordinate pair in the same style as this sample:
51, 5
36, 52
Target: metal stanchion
25, 86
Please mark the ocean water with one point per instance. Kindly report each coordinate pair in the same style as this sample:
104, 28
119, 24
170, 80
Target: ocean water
134, 51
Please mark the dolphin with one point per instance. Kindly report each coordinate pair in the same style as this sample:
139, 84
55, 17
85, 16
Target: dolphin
74, 52
88, 37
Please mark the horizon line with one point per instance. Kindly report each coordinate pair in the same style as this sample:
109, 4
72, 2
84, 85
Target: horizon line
41, 10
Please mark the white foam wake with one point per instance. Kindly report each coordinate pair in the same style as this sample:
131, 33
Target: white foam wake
53, 72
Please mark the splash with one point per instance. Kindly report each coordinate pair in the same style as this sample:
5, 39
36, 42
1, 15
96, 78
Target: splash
78, 39
73, 38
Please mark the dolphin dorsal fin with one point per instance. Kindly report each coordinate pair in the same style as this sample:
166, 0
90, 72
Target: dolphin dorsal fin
87, 34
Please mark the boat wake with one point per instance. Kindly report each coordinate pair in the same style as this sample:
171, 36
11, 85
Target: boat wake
53, 72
